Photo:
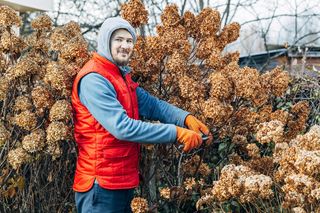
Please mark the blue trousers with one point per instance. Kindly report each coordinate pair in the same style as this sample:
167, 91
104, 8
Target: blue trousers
100, 200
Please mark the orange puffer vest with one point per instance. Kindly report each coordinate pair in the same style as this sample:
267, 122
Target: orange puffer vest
114, 163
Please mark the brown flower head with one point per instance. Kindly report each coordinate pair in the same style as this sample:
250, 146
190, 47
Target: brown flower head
170, 16
189, 22
60, 111
135, 13
9, 17
42, 22
17, 157
75, 48
22, 103
270, 131
221, 86
208, 21
26, 120
42, 98
216, 110
279, 81
35, 141
206, 46
4, 87
4, 134
229, 34
139, 205
57, 131
10, 43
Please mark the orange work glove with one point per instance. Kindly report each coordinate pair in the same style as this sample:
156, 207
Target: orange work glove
194, 124
190, 139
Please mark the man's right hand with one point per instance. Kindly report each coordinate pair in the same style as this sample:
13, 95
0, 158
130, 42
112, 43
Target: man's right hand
190, 139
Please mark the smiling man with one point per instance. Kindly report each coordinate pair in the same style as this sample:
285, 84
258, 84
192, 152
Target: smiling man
107, 107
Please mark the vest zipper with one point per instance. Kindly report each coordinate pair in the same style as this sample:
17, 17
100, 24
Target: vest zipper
129, 90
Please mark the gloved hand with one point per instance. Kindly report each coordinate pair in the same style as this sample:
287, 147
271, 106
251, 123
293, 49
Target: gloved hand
190, 139
194, 124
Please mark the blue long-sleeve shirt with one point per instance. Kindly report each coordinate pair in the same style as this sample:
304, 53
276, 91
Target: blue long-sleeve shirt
99, 96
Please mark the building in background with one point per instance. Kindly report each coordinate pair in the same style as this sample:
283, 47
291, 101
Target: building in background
29, 5
297, 60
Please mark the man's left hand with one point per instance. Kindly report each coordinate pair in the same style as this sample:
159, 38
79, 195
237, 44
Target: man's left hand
196, 125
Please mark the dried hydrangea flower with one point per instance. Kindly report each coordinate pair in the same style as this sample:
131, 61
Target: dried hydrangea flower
25, 66
135, 13
242, 183
165, 193
206, 46
139, 205
308, 162
42, 22
38, 41
189, 22
26, 120
170, 16
10, 43
270, 131
17, 157
191, 165
221, 86
297, 122
74, 48
56, 77
60, 111
59, 37
280, 115
229, 34
190, 89
4, 87
209, 22
4, 134
9, 17
189, 183
35, 141
22, 103
216, 110
253, 150
279, 81
298, 210
256, 187
247, 84
42, 98
54, 150
309, 141
57, 131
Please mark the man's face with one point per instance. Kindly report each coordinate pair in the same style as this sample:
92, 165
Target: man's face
121, 47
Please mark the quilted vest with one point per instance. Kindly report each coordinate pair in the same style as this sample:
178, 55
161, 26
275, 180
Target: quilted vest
113, 162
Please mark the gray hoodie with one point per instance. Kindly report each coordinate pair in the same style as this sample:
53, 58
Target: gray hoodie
108, 27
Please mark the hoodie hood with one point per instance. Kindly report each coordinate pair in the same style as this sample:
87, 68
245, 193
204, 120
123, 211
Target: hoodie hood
108, 27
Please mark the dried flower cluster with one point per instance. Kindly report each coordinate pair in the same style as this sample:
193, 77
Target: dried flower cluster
190, 166
17, 157
299, 169
34, 142
242, 182
139, 205
4, 134
135, 13
40, 109
9, 17
270, 131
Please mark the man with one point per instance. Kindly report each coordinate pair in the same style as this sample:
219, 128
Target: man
107, 105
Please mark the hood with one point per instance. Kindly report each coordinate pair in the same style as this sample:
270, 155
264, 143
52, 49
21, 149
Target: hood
108, 27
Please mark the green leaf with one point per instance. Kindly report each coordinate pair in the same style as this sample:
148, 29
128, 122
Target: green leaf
222, 146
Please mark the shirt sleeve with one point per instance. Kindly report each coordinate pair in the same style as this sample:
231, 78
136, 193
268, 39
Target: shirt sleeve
153, 108
98, 95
